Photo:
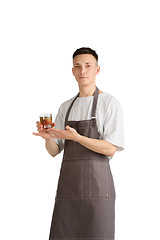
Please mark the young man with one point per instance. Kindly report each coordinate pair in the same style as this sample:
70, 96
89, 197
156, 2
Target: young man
89, 127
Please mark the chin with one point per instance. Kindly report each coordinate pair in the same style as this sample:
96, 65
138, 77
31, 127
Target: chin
86, 83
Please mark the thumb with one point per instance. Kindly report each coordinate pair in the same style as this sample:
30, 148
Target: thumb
68, 128
72, 130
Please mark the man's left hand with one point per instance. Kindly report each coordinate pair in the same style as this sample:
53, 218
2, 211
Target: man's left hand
68, 134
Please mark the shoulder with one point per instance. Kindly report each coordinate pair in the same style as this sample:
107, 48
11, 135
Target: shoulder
65, 105
108, 101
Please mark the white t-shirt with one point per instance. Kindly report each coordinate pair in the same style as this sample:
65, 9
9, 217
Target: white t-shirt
109, 116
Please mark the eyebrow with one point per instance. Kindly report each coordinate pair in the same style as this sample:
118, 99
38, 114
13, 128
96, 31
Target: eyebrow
85, 63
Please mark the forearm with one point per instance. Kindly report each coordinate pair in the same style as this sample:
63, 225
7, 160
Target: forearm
96, 145
52, 147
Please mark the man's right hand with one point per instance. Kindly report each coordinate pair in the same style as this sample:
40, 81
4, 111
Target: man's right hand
42, 133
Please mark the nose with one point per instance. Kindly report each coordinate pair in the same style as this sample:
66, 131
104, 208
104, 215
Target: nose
83, 70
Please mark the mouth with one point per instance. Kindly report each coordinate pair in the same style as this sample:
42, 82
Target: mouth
83, 77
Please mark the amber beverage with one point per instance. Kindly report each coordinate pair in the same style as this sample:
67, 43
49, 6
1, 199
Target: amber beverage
46, 120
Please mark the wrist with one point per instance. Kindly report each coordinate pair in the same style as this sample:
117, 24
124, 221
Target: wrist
49, 138
79, 138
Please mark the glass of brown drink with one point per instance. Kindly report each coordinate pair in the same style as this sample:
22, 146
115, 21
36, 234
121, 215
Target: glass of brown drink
46, 120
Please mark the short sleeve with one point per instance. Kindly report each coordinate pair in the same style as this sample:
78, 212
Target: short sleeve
59, 120
113, 129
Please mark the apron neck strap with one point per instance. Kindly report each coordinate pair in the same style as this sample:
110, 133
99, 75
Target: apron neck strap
94, 105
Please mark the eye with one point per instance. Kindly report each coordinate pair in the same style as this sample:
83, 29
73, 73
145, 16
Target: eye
88, 66
77, 66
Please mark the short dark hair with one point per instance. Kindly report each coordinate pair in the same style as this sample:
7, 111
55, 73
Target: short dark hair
85, 50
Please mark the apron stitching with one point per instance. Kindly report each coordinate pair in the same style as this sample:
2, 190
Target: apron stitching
75, 198
99, 179
81, 163
87, 158
81, 178
81, 238
90, 177
107, 185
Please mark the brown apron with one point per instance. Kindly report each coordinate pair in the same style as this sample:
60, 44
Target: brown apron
85, 201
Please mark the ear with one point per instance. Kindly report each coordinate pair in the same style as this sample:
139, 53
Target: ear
97, 70
73, 71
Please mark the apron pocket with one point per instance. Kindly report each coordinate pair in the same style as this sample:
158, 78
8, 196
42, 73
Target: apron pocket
84, 179
95, 179
104, 180
100, 179
69, 184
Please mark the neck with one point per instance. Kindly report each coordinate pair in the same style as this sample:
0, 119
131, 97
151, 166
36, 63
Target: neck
86, 91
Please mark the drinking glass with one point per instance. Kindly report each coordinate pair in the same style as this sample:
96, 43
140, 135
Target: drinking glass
46, 120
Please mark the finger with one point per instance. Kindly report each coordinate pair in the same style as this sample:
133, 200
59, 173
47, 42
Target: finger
51, 135
54, 131
40, 127
39, 124
53, 124
36, 134
50, 132
69, 129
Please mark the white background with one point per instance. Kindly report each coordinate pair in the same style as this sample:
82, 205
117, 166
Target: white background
37, 41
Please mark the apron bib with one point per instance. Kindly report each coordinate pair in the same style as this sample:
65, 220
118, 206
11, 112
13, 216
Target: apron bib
85, 201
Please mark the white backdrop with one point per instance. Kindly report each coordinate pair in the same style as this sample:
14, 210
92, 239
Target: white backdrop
37, 41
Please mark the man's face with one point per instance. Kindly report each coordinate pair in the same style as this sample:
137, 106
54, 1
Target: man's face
85, 69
